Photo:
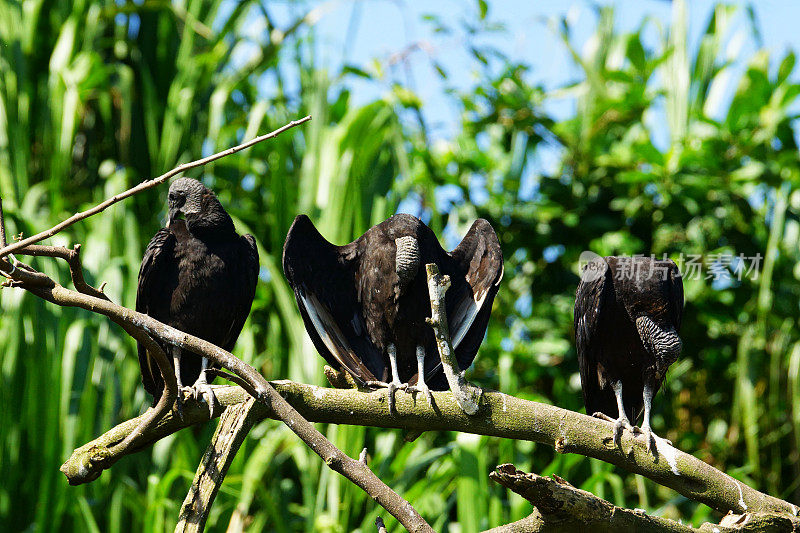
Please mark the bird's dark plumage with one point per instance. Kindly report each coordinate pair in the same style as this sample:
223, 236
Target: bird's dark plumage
197, 275
627, 316
361, 299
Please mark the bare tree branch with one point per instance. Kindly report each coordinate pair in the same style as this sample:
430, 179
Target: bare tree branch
352, 469
234, 425
72, 257
499, 415
10, 248
560, 507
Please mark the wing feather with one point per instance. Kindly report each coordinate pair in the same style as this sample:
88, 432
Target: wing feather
244, 296
321, 276
475, 268
152, 298
590, 298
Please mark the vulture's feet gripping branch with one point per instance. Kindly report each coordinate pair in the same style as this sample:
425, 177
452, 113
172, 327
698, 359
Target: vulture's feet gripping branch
622, 421
421, 386
365, 305
201, 389
395, 384
620, 424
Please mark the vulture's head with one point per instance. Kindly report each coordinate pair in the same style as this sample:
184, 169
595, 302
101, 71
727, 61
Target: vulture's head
199, 205
408, 232
662, 341
407, 259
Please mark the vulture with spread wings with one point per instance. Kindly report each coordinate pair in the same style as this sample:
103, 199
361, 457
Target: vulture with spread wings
364, 304
627, 317
199, 276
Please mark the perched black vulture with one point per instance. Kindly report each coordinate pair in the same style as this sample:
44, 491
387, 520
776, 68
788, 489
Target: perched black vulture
199, 276
627, 316
364, 304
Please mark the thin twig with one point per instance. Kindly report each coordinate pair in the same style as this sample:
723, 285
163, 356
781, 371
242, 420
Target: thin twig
9, 248
466, 395
72, 257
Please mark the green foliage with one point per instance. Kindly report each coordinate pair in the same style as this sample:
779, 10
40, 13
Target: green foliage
96, 96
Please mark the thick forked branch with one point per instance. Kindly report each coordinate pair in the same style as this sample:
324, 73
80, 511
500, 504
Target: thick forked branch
10, 248
352, 469
500, 415
73, 260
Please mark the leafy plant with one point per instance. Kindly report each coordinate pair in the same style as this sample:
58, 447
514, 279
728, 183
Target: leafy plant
96, 96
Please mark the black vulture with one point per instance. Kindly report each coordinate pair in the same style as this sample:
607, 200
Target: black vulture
627, 317
364, 304
199, 276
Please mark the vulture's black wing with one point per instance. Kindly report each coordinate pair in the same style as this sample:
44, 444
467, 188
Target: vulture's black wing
321, 276
153, 295
475, 268
244, 294
592, 295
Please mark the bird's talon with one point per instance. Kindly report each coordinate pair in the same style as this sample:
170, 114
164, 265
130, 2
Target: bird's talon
202, 391
651, 441
618, 436
620, 425
211, 399
393, 387
392, 406
424, 390
603, 416
179, 404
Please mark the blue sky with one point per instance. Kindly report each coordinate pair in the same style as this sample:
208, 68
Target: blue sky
361, 32
366, 33
372, 34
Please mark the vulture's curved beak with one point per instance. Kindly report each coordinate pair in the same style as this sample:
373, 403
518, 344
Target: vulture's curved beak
173, 214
